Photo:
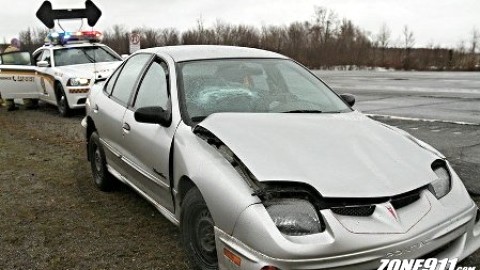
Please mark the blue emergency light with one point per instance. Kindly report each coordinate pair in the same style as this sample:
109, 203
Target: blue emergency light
70, 37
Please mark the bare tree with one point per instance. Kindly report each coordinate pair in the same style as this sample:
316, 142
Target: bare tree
473, 49
383, 36
474, 40
408, 42
408, 38
325, 23
383, 41
169, 37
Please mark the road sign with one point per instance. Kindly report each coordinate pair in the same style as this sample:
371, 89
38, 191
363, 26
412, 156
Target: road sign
134, 42
47, 15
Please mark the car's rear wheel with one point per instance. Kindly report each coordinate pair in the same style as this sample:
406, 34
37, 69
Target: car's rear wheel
102, 179
62, 102
198, 235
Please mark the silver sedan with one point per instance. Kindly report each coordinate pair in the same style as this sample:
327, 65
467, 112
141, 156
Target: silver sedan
263, 166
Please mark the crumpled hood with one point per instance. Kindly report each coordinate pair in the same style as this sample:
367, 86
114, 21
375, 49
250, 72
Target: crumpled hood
101, 70
341, 155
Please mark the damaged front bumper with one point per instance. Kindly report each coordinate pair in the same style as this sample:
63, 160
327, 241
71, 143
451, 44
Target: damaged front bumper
457, 238
428, 228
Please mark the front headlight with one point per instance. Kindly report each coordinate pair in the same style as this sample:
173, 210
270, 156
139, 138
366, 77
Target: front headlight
78, 82
294, 216
443, 184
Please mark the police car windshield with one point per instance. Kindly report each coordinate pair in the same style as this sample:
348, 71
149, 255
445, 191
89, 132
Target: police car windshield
83, 55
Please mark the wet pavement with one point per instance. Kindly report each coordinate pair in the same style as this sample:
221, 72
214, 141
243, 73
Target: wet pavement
446, 96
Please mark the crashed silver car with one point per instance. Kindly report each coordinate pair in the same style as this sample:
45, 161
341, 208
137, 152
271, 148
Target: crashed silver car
263, 166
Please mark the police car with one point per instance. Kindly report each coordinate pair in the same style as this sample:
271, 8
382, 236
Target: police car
60, 73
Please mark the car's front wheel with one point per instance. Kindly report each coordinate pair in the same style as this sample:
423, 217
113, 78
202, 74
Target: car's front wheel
198, 235
101, 177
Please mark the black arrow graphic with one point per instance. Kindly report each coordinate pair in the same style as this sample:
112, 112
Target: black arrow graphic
47, 15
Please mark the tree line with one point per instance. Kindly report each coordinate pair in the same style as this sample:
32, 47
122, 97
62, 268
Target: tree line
322, 43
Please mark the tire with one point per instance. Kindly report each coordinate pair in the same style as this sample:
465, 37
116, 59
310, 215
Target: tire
10, 104
30, 103
62, 102
198, 236
102, 179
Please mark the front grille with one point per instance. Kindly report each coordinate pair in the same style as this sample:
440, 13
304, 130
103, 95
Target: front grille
366, 207
357, 211
403, 201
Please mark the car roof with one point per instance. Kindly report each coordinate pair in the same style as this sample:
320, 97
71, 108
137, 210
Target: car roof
183, 53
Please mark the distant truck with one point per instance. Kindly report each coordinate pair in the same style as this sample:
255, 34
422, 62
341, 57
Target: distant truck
60, 73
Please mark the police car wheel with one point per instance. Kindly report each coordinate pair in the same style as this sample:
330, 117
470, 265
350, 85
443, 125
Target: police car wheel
101, 177
62, 101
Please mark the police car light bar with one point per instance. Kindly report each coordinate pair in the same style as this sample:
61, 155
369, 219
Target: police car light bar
68, 37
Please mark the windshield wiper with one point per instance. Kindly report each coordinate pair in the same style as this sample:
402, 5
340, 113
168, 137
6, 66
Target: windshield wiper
91, 59
304, 111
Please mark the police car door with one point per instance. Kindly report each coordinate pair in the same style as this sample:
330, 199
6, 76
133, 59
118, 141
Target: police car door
45, 82
17, 76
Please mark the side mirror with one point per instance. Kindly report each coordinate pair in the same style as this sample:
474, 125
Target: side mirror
153, 115
43, 64
349, 99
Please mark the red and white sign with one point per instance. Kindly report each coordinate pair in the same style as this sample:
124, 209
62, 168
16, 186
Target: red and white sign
134, 39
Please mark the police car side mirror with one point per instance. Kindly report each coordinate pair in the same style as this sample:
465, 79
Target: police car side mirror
43, 64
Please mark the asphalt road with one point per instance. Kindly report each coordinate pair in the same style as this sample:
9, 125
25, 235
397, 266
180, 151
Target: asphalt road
446, 96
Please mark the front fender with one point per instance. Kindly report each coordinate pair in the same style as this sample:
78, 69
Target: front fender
226, 193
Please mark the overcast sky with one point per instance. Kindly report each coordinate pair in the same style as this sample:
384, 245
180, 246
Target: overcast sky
444, 22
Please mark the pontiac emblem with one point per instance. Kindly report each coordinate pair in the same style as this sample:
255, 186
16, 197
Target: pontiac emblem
392, 211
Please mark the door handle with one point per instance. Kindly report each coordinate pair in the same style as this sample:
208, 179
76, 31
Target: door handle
126, 126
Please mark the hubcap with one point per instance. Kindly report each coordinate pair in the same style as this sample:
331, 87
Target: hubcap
98, 160
62, 103
206, 236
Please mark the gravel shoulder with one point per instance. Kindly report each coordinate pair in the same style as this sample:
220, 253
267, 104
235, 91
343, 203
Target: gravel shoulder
51, 216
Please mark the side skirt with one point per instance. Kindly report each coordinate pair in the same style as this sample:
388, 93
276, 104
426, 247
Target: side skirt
166, 213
